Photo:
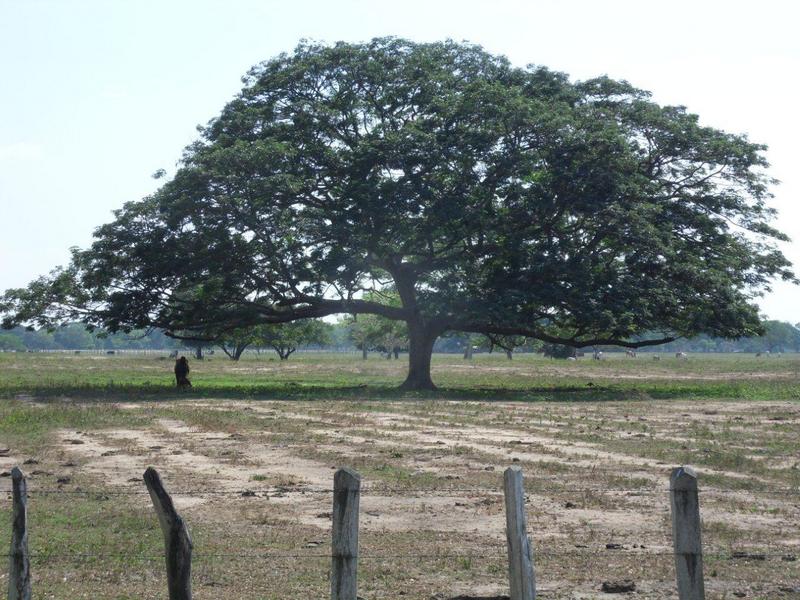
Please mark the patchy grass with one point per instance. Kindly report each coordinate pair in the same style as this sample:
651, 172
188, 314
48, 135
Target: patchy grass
596, 461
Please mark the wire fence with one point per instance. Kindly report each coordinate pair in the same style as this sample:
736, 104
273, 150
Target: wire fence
499, 553
254, 491
744, 556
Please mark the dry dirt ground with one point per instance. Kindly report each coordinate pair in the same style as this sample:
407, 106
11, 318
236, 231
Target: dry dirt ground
253, 481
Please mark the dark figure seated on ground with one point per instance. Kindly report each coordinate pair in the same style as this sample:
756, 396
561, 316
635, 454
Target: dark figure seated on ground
182, 373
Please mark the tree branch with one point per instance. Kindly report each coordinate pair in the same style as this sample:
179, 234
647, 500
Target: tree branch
574, 341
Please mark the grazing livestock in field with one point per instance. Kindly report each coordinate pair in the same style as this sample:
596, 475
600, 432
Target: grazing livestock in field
682, 355
656, 357
598, 355
631, 353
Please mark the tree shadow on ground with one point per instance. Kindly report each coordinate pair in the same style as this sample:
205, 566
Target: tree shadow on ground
299, 392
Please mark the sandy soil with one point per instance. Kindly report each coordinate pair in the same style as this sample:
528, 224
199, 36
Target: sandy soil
432, 479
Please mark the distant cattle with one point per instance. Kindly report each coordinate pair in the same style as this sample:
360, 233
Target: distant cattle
656, 357
173, 354
598, 356
631, 353
682, 355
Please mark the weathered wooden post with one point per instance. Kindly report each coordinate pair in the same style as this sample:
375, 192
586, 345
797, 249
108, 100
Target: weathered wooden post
344, 555
19, 568
685, 507
177, 542
520, 561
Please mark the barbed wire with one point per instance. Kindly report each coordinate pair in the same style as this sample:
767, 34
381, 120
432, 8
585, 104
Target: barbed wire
250, 492
499, 553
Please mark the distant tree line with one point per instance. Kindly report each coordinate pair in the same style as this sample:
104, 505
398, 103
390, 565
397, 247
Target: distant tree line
364, 333
75, 337
779, 336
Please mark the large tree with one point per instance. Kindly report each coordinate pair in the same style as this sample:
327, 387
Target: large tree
494, 200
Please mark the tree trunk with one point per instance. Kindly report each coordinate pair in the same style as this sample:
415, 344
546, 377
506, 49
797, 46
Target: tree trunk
235, 353
422, 334
364, 352
396, 352
509, 355
468, 351
198, 353
420, 350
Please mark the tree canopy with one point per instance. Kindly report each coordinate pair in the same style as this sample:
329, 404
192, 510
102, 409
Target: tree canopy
494, 199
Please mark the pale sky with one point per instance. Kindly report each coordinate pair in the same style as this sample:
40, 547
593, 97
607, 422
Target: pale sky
96, 95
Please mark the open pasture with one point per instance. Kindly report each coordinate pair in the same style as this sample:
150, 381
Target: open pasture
596, 441
336, 376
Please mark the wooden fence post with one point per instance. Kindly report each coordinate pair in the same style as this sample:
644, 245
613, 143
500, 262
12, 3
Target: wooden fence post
19, 568
685, 507
177, 542
520, 561
344, 555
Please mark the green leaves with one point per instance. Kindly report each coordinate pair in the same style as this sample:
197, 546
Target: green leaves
496, 200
